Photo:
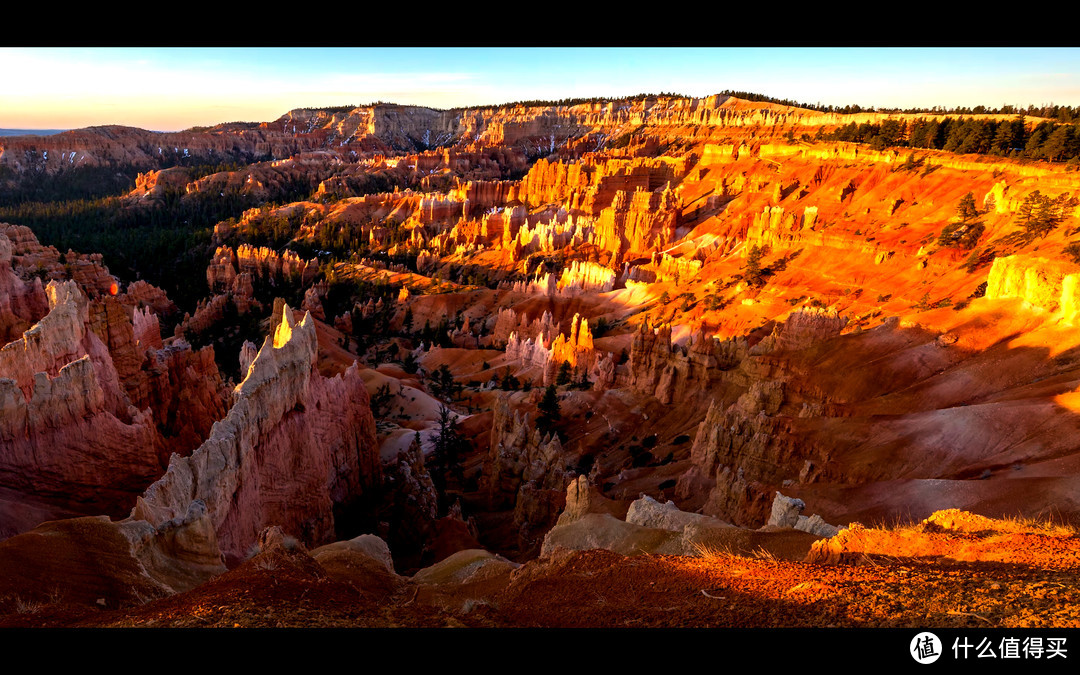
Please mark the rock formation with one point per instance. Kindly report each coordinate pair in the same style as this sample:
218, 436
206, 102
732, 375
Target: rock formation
669, 371
787, 512
548, 356
409, 506
21, 303
294, 450
526, 469
69, 432
1053, 286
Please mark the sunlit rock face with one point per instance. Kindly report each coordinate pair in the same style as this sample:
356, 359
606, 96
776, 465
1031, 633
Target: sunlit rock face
1050, 285
293, 449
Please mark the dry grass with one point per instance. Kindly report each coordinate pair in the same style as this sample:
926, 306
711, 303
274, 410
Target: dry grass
714, 554
27, 606
727, 553
1037, 526
960, 521
955, 520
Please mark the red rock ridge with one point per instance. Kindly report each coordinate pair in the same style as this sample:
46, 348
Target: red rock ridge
294, 446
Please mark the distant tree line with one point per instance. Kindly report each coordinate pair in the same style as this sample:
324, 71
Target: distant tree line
548, 103
1061, 113
1047, 140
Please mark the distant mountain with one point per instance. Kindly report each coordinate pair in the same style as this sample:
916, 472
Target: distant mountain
30, 132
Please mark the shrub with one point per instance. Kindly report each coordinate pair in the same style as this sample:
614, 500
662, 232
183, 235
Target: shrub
1072, 252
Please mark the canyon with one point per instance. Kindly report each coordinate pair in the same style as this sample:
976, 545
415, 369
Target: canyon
483, 343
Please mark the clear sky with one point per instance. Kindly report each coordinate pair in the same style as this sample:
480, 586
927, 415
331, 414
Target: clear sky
176, 88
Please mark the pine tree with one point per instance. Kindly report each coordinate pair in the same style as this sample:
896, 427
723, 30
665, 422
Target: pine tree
509, 381
549, 411
447, 455
564, 373
1057, 143
966, 210
752, 271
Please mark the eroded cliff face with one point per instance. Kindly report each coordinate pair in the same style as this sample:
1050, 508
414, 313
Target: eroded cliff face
294, 450
21, 302
670, 372
69, 432
525, 470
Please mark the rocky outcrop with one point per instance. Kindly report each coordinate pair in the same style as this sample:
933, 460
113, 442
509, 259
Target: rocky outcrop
526, 469
21, 303
295, 449
69, 433
787, 512
464, 567
638, 223
585, 277
259, 263
522, 237
409, 505
313, 298
154, 185
802, 329
31, 259
146, 329
1050, 285
583, 498
186, 395
672, 372
591, 185
647, 512
142, 295
602, 530
180, 553
576, 350
363, 562
95, 562
366, 544
734, 451
665, 268
508, 322
520, 454
111, 322
662, 529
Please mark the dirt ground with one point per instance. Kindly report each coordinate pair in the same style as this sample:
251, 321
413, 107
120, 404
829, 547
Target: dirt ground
600, 589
